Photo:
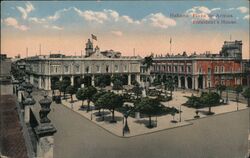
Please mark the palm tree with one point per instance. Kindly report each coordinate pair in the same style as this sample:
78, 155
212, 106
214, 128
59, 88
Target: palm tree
148, 61
238, 89
246, 94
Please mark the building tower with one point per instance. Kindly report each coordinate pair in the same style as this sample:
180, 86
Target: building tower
232, 49
89, 48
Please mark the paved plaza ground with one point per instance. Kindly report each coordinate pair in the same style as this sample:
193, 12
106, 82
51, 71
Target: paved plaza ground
215, 136
138, 126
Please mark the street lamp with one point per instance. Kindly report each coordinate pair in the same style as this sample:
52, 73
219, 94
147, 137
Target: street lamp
180, 113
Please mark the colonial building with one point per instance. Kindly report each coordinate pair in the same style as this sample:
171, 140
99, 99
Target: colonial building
44, 69
204, 70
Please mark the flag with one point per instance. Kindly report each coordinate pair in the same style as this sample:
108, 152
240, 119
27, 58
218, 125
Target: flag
170, 40
94, 37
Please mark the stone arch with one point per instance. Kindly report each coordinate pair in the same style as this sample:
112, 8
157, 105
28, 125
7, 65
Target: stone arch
189, 82
53, 80
87, 80
200, 82
77, 82
182, 82
176, 81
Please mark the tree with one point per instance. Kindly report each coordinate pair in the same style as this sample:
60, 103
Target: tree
86, 93
110, 101
220, 88
63, 85
149, 107
137, 90
70, 90
117, 85
246, 94
209, 100
80, 95
117, 81
54, 86
173, 111
96, 103
238, 89
148, 61
169, 85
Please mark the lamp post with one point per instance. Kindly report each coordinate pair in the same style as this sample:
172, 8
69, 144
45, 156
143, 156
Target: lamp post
180, 113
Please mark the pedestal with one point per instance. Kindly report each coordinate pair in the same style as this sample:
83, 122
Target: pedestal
27, 113
137, 115
20, 96
45, 144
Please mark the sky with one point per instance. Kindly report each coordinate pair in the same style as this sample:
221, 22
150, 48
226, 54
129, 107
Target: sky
131, 27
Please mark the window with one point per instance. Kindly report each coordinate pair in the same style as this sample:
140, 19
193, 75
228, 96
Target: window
116, 68
87, 69
77, 68
200, 69
125, 67
216, 68
182, 68
56, 69
189, 69
97, 68
209, 70
222, 68
175, 69
107, 68
51, 69
66, 68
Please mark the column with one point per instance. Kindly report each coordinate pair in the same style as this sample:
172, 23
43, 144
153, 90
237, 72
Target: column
31, 79
61, 78
46, 85
40, 82
193, 82
137, 77
204, 82
49, 83
186, 83
179, 81
72, 80
129, 79
111, 83
93, 80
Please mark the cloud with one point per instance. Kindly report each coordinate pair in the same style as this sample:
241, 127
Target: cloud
246, 17
117, 33
159, 20
200, 12
27, 10
14, 23
215, 9
37, 20
53, 27
243, 9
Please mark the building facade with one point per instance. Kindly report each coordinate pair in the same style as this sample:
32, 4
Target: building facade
43, 70
202, 71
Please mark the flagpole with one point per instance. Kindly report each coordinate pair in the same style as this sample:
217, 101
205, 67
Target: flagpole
170, 44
